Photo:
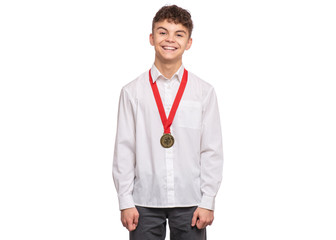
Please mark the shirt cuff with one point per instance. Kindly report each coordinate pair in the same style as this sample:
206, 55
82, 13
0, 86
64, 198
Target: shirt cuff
126, 202
207, 202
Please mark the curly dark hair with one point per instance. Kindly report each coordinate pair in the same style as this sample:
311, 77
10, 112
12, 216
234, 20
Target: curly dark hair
175, 14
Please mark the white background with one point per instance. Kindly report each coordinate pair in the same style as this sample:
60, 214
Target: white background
62, 66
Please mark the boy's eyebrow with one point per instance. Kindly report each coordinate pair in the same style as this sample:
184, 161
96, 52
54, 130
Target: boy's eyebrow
181, 31
167, 30
162, 28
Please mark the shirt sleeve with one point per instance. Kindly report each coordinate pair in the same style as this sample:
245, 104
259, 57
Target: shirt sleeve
123, 169
211, 152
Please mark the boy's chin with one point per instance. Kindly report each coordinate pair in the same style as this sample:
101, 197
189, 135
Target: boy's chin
170, 58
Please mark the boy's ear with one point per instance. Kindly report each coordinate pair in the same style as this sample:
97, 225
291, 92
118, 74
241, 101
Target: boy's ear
151, 39
189, 43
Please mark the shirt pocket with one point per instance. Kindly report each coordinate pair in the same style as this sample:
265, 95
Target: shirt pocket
190, 114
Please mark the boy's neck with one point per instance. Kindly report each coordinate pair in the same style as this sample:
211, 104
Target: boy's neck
167, 69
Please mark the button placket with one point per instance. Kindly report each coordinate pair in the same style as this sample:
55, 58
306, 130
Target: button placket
168, 98
169, 154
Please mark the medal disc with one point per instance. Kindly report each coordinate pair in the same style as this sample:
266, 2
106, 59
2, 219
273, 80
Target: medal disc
167, 140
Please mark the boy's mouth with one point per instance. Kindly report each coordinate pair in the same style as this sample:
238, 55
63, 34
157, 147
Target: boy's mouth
168, 48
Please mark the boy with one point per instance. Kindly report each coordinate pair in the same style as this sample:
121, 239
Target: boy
168, 155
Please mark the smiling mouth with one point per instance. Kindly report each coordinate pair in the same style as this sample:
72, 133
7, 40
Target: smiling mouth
167, 48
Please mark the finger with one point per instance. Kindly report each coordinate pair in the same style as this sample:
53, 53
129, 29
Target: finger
194, 219
136, 220
129, 224
123, 221
132, 227
200, 224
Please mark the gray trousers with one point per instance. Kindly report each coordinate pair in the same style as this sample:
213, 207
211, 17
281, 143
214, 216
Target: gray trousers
152, 224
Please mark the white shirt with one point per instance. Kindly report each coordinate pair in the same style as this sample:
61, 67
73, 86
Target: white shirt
187, 174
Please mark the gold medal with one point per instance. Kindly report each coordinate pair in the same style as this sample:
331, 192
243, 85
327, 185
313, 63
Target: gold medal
167, 140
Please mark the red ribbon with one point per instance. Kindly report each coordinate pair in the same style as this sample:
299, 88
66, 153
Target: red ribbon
168, 122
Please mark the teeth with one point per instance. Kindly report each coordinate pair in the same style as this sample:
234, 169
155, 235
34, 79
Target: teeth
169, 48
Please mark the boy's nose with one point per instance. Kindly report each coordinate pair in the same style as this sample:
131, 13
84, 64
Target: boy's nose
170, 38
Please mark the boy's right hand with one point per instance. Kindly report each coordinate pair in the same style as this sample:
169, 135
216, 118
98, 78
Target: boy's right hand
130, 218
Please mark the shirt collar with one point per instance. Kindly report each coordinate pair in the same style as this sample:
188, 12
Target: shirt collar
156, 73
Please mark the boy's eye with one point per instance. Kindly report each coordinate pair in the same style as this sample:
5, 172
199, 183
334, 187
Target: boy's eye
179, 35
162, 33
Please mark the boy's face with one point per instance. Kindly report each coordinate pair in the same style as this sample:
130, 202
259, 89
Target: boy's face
170, 40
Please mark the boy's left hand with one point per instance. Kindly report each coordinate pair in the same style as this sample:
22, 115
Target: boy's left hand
202, 217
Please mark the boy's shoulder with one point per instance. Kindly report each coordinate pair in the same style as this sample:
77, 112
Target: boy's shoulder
202, 88
199, 81
134, 85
